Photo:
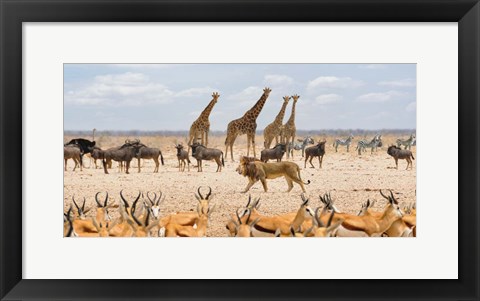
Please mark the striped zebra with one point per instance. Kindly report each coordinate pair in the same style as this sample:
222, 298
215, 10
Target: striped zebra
346, 142
407, 143
362, 145
300, 145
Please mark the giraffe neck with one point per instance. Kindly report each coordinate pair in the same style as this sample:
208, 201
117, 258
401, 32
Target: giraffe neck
291, 120
257, 108
281, 114
208, 109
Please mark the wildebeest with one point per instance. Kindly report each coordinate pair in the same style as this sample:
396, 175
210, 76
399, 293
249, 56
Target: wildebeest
125, 153
86, 146
315, 151
201, 152
97, 154
276, 152
182, 156
72, 152
145, 152
398, 153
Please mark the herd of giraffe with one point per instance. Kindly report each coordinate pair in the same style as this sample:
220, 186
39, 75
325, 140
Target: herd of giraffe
247, 125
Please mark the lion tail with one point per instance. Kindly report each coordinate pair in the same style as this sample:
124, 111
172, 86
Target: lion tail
306, 183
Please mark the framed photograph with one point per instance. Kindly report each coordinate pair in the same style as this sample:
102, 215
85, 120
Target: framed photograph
181, 119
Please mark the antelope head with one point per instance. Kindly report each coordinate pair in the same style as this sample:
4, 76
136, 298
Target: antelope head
154, 205
392, 208
81, 210
102, 209
244, 229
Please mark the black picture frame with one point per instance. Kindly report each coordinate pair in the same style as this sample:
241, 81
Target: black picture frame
14, 12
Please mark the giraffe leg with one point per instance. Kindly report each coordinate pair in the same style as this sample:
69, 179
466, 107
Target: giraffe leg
248, 146
206, 138
253, 144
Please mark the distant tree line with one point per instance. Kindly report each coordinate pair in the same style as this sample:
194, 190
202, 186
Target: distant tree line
328, 132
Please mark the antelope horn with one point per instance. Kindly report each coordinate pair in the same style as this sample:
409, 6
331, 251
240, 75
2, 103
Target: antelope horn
96, 199
78, 208
134, 207
238, 216
159, 198
248, 217
304, 199
199, 193
383, 194
83, 205
249, 199
209, 193
154, 199
106, 199
393, 198
330, 219
123, 199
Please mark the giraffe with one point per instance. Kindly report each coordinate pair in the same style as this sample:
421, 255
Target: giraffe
247, 124
202, 124
289, 129
273, 129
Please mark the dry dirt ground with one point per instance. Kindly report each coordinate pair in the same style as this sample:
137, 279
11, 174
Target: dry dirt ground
351, 179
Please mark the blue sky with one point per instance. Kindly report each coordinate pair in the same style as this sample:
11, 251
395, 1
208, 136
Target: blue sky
171, 96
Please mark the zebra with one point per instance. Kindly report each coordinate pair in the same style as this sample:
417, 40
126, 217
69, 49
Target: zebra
346, 142
300, 145
407, 143
373, 144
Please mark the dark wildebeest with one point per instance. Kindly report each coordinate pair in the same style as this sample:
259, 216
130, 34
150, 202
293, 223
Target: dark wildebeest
85, 146
182, 156
145, 152
315, 151
72, 152
125, 153
398, 153
276, 152
97, 154
201, 152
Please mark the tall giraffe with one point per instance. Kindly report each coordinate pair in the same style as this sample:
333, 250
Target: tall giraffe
289, 129
247, 124
202, 124
273, 129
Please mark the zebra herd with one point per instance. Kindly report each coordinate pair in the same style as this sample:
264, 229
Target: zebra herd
373, 144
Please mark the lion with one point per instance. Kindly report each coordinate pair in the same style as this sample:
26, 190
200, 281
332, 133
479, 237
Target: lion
256, 170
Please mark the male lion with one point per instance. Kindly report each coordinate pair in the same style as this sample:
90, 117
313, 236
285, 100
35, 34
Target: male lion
256, 170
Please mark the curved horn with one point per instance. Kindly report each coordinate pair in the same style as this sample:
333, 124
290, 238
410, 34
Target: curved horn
199, 193
73, 199
249, 199
393, 198
134, 207
154, 197
383, 194
209, 193
106, 199
330, 219
238, 216
96, 199
123, 199
160, 194
304, 199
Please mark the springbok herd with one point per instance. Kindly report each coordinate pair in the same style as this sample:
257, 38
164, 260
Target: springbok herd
141, 217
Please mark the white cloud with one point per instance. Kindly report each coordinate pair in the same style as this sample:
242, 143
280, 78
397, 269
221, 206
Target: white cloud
278, 80
373, 66
126, 89
327, 98
196, 92
334, 82
378, 115
402, 83
249, 94
411, 107
379, 96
